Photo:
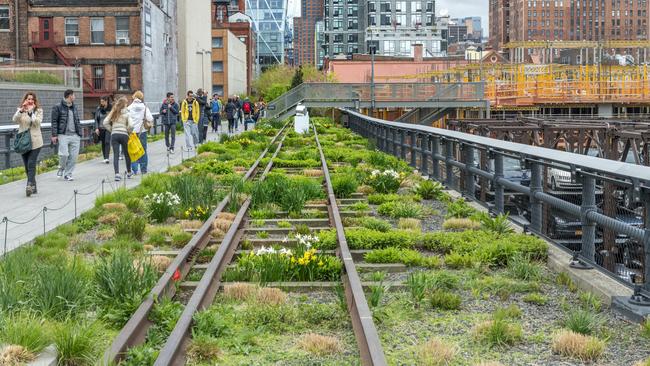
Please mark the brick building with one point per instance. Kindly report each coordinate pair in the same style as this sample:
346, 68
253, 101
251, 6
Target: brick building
13, 45
304, 28
121, 45
567, 20
231, 16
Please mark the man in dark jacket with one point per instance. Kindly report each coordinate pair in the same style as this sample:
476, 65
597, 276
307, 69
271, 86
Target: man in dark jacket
169, 115
66, 131
202, 98
102, 111
240, 114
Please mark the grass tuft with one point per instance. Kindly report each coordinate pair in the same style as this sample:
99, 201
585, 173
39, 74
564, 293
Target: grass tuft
583, 321
498, 332
445, 300
645, 328
320, 345
271, 296
535, 298
26, 331
459, 224
239, 291
574, 345
436, 352
76, 344
203, 349
15, 355
409, 224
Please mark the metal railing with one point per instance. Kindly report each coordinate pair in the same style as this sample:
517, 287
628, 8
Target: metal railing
8, 133
597, 208
361, 93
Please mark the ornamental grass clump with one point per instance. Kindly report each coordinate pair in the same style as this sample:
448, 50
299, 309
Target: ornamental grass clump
59, 290
460, 224
429, 190
77, 343
239, 291
344, 185
410, 224
13, 354
26, 331
399, 209
578, 346
583, 321
387, 181
444, 300
500, 331
436, 352
459, 209
131, 226
271, 296
161, 206
320, 345
418, 283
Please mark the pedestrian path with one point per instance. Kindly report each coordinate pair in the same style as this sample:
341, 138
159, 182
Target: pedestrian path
56, 202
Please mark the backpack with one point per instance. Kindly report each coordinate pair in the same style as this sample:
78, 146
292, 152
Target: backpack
247, 107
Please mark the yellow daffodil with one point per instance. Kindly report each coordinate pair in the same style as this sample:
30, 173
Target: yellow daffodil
320, 264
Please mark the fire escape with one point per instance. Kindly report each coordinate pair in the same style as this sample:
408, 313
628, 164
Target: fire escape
39, 43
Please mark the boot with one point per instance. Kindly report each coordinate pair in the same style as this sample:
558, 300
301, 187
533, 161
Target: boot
29, 190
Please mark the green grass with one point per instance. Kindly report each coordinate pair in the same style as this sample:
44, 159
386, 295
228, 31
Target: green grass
25, 330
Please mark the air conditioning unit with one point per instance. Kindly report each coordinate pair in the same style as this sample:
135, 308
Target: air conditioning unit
122, 41
71, 40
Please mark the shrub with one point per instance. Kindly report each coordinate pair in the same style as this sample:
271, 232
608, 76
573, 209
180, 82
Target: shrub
443, 280
456, 260
60, 289
368, 239
511, 312
498, 332
359, 206
429, 190
590, 301
459, 209
441, 299
344, 185
582, 321
181, 239
417, 283
574, 345
371, 223
209, 323
398, 209
409, 224
387, 181
498, 224
77, 343
436, 352
214, 167
378, 198
320, 345
26, 331
131, 226
408, 257
645, 328
456, 224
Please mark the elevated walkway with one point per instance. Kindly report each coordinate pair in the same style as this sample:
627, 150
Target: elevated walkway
386, 95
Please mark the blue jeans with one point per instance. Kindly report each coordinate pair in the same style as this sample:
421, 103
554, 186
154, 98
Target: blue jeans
142, 162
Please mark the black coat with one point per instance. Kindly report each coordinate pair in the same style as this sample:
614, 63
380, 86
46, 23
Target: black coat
231, 109
169, 115
100, 115
60, 119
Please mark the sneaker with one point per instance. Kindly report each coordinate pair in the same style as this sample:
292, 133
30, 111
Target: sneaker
29, 190
68, 178
171, 151
129, 175
121, 157
118, 177
59, 173
34, 190
106, 161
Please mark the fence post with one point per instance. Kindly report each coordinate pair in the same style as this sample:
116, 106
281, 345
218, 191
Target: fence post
402, 144
44, 210
414, 142
435, 151
449, 155
75, 203
468, 152
394, 138
535, 204
498, 188
424, 152
5, 220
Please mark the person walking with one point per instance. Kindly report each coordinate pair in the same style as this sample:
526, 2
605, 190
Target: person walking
202, 99
260, 106
231, 112
102, 111
247, 109
169, 113
239, 116
190, 115
142, 121
29, 116
216, 113
119, 124
66, 132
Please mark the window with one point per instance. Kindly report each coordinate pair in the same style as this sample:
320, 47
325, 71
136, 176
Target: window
385, 19
217, 66
384, 7
98, 77
400, 19
217, 42
337, 24
123, 77
4, 17
147, 25
72, 27
353, 24
97, 31
372, 20
217, 89
122, 30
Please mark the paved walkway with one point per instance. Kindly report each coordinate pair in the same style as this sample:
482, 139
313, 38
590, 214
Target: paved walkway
58, 196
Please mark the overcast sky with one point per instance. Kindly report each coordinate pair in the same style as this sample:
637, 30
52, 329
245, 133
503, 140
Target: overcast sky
455, 8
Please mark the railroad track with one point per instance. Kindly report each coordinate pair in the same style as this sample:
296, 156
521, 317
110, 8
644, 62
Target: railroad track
203, 292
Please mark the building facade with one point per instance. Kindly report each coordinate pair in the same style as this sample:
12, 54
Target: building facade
194, 45
121, 45
392, 26
305, 45
568, 20
13, 30
229, 64
269, 26
231, 15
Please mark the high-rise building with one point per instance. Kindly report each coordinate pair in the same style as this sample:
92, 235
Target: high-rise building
304, 27
269, 25
567, 20
393, 26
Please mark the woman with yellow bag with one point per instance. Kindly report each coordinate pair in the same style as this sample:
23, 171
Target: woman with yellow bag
120, 125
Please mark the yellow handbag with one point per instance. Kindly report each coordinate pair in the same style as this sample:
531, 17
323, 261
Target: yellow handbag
136, 151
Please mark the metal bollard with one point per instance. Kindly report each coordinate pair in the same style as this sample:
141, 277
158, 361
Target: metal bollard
449, 154
588, 247
498, 188
435, 151
535, 204
402, 144
468, 152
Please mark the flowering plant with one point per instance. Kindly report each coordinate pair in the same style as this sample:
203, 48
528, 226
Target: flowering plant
387, 181
197, 213
161, 205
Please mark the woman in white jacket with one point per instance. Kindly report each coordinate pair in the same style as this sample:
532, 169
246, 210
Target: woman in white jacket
29, 117
119, 124
140, 116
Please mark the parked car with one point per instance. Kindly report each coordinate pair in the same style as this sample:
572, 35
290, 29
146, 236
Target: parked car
559, 179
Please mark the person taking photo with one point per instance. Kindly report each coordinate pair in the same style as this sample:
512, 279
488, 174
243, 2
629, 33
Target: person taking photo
29, 116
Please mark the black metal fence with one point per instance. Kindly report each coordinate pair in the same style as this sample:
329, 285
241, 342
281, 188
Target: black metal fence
596, 208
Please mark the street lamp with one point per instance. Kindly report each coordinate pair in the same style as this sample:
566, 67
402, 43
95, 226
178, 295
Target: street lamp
203, 52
